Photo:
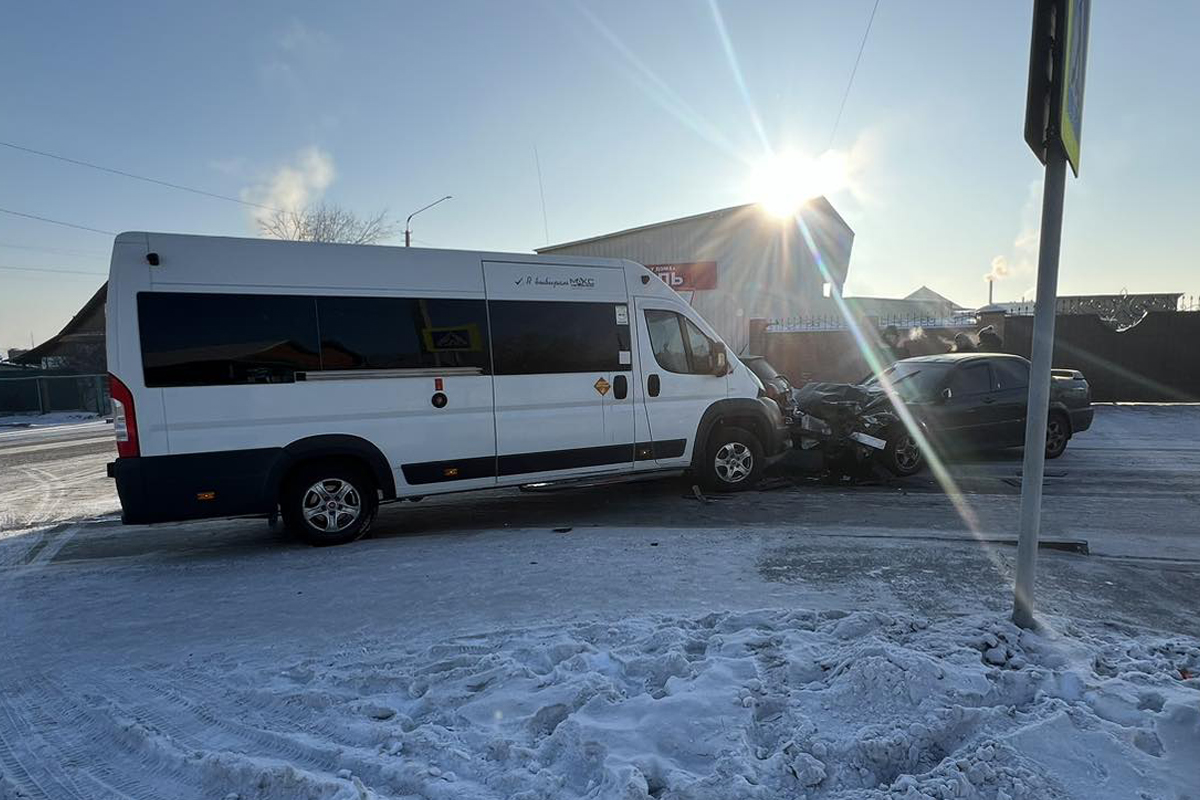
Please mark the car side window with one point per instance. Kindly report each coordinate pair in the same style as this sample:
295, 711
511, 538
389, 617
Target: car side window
666, 339
970, 380
1010, 373
701, 349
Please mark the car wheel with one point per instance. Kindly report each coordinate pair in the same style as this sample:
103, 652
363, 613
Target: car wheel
903, 456
733, 460
1058, 433
329, 504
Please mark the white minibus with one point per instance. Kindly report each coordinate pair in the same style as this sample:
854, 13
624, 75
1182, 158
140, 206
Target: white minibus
316, 381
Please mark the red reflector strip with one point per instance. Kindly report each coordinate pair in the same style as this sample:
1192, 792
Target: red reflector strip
206, 495
437, 384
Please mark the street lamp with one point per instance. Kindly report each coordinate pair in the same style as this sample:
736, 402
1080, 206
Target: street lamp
407, 229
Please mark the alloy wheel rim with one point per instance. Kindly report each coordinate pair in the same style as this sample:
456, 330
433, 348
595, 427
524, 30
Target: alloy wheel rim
908, 455
332, 505
1054, 435
734, 462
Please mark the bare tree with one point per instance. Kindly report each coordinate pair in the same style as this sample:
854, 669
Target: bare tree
327, 223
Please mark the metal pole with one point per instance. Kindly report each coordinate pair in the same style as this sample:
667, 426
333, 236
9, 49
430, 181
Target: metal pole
408, 222
1039, 383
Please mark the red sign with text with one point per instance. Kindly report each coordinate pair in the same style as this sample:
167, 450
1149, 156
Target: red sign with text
687, 277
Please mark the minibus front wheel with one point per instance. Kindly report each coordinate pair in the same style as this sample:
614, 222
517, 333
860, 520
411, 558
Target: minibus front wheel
733, 461
329, 503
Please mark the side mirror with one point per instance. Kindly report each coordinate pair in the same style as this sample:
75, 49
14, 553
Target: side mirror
720, 360
946, 394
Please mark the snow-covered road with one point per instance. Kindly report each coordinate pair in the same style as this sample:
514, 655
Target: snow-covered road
797, 642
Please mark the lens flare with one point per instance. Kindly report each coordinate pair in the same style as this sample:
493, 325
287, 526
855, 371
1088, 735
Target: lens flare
783, 182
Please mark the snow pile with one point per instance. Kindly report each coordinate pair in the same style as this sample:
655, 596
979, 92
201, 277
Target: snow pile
748, 705
49, 419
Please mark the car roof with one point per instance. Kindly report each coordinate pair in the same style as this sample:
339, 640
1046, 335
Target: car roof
957, 358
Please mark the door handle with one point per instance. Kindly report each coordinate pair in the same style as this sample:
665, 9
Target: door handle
989, 400
652, 385
620, 387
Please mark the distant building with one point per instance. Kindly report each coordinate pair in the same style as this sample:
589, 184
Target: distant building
738, 263
924, 303
13, 352
79, 346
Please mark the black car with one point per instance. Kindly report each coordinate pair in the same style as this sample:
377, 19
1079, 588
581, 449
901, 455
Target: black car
775, 384
959, 400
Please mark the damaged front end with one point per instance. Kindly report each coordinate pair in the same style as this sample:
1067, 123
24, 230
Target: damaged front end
848, 423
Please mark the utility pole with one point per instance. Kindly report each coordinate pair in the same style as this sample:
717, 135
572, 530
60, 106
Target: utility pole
1053, 122
407, 222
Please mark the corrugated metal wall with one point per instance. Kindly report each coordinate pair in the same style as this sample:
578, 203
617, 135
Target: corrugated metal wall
764, 266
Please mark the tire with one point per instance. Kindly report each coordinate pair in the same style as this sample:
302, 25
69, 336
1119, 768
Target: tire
733, 461
1058, 433
305, 503
902, 456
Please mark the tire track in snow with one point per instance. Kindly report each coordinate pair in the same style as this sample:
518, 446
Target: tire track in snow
71, 733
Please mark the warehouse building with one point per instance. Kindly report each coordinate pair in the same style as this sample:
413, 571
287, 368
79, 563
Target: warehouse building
739, 263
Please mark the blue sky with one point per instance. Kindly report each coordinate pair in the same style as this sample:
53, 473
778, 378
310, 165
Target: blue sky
634, 110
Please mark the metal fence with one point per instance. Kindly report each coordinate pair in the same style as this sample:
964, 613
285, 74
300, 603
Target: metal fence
837, 322
41, 394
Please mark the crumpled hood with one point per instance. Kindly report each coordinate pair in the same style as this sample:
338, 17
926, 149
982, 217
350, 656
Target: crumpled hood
833, 402
847, 408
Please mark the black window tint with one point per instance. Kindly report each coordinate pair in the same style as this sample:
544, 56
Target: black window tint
1010, 373
971, 379
402, 333
214, 339
666, 338
534, 337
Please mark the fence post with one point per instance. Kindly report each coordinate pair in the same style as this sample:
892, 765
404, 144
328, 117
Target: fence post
41, 404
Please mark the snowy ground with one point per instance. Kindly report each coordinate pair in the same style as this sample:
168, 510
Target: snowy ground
803, 641
50, 419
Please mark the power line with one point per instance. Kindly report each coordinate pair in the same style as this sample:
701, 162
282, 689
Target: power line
59, 250
125, 174
862, 46
60, 271
55, 221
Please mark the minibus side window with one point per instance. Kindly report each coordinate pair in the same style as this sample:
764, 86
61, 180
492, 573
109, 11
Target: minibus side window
667, 340
679, 346
402, 333
194, 339
531, 337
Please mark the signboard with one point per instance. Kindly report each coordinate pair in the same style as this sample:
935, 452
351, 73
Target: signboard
1057, 63
1073, 69
688, 276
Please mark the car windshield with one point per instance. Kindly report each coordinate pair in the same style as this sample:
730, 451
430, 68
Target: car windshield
914, 380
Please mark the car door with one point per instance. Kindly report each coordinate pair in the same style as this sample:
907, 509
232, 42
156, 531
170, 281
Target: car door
968, 416
678, 385
1011, 390
562, 361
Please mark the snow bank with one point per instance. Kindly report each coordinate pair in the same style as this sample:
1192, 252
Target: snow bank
768, 704
53, 418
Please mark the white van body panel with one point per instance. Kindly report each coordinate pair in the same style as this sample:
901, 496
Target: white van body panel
543, 413
492, 429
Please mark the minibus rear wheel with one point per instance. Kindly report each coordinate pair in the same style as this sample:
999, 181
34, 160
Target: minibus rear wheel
328, 503
733, 460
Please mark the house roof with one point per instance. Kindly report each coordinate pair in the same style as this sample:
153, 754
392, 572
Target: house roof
927, 295
823, 203
34, 356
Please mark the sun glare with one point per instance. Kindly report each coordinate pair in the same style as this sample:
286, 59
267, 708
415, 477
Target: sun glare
785, 181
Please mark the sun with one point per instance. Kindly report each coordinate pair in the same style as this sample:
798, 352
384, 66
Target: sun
785, 181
